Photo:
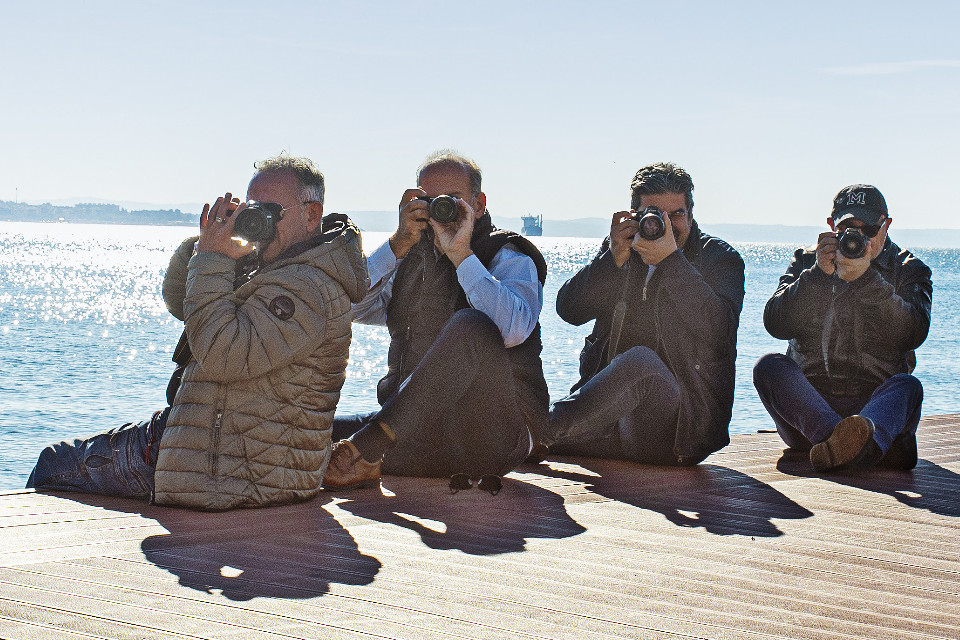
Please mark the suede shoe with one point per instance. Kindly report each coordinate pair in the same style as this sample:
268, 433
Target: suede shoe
348, 469
849, 446
902, 455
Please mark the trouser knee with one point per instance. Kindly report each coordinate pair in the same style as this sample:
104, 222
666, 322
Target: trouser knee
470, 325
770, 367
645, 365
911, 385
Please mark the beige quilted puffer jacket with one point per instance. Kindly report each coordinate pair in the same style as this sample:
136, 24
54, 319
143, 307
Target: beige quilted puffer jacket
250, 423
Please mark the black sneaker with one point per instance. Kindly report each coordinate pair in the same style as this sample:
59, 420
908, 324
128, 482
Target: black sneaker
902, 455
849, 446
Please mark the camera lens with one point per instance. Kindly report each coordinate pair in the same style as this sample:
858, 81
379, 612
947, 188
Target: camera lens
651, 222
852, 244
443, 208
255, 224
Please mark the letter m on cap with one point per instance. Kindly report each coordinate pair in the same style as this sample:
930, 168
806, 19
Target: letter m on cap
857, 198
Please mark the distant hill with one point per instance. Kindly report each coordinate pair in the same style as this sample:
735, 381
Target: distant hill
387, 221
92, 213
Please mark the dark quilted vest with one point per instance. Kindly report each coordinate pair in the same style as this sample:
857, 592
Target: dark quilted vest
426, 293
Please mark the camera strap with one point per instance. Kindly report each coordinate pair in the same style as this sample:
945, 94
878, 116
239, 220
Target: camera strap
619, 312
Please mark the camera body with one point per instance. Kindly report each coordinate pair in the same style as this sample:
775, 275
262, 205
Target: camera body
443, 209
652, 225
852, 243
258, 222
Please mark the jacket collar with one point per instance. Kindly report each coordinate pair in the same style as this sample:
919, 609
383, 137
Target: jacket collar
887, 255
694, 242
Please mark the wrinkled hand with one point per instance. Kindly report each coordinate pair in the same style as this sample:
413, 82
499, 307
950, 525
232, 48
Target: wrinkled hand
453, 238
414, 215
653, 251
827, 252
623, 228
216, 228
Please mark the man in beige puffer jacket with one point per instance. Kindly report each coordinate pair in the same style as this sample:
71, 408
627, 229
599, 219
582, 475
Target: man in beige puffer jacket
265, 346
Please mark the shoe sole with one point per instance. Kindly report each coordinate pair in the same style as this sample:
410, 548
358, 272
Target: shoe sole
848, 439
356, 485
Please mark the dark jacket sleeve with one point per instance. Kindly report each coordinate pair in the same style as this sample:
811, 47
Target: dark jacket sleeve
801, 289
903, 306
592, 291
705, 306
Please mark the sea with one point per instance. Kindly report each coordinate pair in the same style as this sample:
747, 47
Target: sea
86, 342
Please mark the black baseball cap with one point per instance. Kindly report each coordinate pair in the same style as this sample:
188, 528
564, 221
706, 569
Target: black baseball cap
861, 201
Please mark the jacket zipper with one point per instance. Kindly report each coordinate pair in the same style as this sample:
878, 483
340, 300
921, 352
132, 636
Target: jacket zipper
215, 454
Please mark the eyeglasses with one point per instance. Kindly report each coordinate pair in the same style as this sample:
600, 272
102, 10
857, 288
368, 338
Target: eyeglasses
869, 230
674, 215
490, 483
276, 209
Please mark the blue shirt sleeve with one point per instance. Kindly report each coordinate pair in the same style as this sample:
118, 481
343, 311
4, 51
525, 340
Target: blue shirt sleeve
382, 267
509, 292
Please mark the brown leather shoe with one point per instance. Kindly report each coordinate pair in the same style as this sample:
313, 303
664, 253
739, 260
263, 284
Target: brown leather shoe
848, 446
348, 469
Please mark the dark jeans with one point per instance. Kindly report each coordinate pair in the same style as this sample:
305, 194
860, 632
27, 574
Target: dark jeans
805, 417
628, 410
119, 462
458, 411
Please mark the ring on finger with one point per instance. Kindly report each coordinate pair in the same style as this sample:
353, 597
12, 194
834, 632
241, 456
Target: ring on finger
220, 219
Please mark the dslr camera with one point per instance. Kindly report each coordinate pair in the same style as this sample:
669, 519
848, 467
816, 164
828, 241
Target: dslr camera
442, 208
852, 243
651, 223
258, 222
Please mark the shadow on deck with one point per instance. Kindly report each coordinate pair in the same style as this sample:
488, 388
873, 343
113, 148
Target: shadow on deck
749, 544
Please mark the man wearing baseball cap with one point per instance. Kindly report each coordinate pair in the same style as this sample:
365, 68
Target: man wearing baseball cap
854, 309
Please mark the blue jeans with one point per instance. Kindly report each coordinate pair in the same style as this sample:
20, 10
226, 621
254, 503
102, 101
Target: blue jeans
628, 411
119, 462
805, 417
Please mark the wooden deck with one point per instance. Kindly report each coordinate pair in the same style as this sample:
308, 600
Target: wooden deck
747, 545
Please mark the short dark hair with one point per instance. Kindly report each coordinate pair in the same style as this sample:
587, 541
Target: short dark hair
450, 158
308, 176
662, 177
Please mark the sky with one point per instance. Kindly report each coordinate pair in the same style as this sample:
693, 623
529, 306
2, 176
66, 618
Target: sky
772, 107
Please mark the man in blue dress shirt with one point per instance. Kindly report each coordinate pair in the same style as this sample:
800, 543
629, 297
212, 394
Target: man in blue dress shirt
465, 391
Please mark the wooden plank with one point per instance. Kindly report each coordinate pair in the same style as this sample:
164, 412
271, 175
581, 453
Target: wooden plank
749, 544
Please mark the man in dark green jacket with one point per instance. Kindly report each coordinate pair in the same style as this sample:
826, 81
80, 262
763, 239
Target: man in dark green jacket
854, 309
657, 372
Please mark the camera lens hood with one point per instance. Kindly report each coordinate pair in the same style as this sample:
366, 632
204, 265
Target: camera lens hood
652, 226
255, 224
443, 209
852, 244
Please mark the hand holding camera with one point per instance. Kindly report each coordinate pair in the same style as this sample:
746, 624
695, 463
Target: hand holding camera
850, 250
217, 232
623, 230
452, 221
655, 239
414, 217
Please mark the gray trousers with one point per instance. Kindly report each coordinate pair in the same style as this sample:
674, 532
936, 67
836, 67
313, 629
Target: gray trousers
627, 411
459, 411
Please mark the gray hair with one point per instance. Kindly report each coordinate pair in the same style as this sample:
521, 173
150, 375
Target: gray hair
662, 177
450, 158
308, 176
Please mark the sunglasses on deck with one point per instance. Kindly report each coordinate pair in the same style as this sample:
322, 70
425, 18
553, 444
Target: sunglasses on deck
489, 483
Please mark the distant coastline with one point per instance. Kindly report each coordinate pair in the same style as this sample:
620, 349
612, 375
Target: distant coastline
386, 221
95, 213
